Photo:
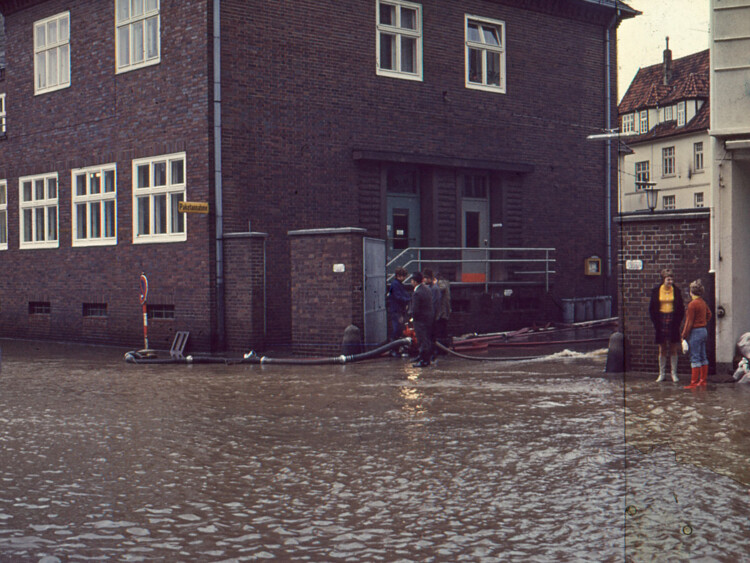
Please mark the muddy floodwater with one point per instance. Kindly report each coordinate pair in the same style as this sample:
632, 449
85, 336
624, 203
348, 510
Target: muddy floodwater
539, 460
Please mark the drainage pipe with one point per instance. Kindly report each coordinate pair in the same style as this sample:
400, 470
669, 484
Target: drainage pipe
218, 196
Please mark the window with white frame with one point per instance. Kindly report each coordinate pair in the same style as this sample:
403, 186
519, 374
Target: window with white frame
485, 54
698, 156
2, 115
668, 202
159, 185
681, 113
94, 206
38, 211
137, 35
52, 53
628, 123
698, 199
667, 161
3, 215
399, 39
642, 175
669, 113
644, 121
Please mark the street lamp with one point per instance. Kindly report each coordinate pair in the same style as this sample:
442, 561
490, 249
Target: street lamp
652, 194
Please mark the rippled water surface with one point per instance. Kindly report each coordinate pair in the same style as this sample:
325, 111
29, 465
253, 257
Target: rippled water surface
545, 460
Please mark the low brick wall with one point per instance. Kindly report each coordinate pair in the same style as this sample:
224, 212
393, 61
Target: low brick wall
678, 240
325, 300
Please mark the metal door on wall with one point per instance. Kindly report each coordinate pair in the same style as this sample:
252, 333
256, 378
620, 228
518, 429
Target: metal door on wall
375, 316
403, 226
475, 234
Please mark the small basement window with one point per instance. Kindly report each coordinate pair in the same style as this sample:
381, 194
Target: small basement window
94, 309
39, 308
165, 312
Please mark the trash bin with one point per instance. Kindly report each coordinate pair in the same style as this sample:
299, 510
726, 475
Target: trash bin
580, 306
602, 307
589, 308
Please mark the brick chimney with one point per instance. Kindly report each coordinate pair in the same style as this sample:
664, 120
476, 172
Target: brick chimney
667, 65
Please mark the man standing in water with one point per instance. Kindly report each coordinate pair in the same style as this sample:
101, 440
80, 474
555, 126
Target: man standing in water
423, 316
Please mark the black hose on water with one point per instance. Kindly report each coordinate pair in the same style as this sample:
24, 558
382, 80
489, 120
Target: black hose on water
253, 358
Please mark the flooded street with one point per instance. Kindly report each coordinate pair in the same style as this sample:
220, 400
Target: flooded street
541, 460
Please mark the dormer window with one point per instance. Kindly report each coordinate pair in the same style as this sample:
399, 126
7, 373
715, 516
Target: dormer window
680, 113
628, 123
669, 113
644, 121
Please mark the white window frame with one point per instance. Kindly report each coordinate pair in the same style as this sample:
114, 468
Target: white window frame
486, 49
149, 199
3, 215
628, 123
698, 200
669, 202
642, 174
669, 113
643, 128
52, 56
137, 34
90, 199
400, 34
698, 157
2, 115
680, 113
668, 161
34, 208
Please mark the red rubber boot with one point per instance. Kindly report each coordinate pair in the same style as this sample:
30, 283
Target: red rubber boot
704, 376
695, 375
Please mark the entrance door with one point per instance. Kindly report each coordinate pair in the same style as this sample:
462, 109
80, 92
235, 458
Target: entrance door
475, 234
402, 228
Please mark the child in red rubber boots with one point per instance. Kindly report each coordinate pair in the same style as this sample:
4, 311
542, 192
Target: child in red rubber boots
696, 319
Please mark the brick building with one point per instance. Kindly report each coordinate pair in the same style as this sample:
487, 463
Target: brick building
470, 116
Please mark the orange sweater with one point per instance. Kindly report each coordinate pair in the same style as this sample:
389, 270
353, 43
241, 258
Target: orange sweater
697, 316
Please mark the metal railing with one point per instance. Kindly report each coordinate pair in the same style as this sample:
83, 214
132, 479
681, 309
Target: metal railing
519, 262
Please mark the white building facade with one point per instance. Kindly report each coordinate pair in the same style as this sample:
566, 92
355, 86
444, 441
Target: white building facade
730, 134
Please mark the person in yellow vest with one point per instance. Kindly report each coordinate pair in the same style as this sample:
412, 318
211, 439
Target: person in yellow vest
666, 310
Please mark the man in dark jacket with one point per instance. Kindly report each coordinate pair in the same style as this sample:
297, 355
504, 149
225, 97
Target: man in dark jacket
423, 316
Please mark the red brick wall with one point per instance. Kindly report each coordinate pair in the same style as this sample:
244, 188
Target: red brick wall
325, 302
677, 241
245, 285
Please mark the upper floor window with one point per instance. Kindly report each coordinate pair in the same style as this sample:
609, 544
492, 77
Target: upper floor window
2, 115
644, 121
485, 54
137, 36
698, 156
628, 123
399, 39
681, 113
667, 161
52, 53
642, 175
3, 215
158, 188
669, 113
698, 199
38, 211
669, 202
94, 206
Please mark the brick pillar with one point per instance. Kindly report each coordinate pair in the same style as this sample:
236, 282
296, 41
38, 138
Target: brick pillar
327, 279
649, 243
245, 291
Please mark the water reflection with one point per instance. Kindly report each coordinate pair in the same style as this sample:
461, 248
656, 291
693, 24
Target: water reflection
377, 461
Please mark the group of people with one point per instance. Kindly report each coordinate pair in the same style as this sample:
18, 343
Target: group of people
667, 311
428, 306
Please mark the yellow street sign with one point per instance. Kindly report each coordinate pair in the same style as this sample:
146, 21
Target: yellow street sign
192, 207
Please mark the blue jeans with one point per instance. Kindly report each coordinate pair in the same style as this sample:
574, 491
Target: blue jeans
697, 344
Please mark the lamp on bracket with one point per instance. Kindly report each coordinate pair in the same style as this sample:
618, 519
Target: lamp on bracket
652, 194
